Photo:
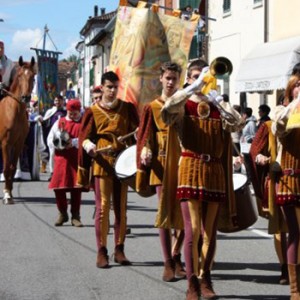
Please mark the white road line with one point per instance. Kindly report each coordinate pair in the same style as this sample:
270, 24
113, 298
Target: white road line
261, 233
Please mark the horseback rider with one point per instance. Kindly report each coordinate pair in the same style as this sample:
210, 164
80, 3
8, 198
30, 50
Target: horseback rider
7, 71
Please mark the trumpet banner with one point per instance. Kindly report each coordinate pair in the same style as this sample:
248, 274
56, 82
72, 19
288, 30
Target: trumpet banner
143, 40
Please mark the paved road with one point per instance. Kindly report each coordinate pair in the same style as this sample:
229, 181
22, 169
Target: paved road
39, 261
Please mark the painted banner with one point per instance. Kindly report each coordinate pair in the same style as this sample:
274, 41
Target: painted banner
143, 40
47, 78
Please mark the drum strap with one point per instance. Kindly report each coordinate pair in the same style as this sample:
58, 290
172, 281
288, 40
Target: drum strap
204, 157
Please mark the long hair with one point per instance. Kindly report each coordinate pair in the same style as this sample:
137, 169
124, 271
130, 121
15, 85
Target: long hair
288, 95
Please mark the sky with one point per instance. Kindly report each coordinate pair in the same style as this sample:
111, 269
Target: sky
25, 20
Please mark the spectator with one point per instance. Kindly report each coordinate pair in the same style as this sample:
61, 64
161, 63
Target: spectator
249, 130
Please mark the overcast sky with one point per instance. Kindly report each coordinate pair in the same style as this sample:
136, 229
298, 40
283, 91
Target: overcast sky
24, 22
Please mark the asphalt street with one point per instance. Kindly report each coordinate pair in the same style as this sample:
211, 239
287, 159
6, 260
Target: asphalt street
39, 261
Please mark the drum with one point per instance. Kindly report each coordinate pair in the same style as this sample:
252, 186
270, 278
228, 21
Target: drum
246, 207
125, 168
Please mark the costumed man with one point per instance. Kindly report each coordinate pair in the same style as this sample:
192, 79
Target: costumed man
286, 127
265, 173
50, 117
96, 94
104, 128
152, 157
7, 71
64, 139
205, 171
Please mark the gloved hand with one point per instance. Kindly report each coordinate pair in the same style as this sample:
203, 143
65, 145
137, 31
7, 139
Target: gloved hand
146, 156
197, 84
262, 160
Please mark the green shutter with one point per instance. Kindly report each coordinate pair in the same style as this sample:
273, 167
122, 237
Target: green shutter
192, 3
92, 76
194, 48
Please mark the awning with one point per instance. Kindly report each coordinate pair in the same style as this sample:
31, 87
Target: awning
268, 66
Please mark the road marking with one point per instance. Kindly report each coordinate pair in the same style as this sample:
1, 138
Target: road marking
260, 232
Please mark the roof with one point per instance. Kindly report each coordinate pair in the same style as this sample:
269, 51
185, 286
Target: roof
103, 20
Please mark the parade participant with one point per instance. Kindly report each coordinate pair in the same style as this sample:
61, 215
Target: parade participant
7, 71
287, 128
264, 175
263, 111
96, 94
50, 117
152, 156
104, 124
205, 160
65, 167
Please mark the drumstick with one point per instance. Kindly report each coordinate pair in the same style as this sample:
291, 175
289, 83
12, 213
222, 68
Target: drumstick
126, 136
236, 149
104, 149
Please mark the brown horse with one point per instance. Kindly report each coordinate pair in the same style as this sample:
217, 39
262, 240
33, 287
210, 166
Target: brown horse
14, 122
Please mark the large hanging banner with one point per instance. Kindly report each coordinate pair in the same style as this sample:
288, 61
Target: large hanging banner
47, 78
143, 40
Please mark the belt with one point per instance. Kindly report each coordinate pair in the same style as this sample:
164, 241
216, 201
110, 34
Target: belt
203, 157
291, 172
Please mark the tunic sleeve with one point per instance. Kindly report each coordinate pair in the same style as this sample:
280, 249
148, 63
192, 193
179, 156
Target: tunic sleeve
87, 132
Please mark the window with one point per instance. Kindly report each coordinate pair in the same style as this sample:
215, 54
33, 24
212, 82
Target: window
257, 3
226, 6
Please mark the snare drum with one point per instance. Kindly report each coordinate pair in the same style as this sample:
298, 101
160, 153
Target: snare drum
246, 207
125, 168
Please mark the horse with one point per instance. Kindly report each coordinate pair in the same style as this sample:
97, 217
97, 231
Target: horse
14, 125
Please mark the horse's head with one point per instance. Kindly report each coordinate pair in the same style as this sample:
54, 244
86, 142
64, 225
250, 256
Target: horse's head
24, 80
61, 138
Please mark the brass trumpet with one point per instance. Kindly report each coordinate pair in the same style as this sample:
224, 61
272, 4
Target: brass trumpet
220, 67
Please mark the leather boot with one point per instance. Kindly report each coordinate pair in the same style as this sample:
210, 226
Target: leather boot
179, 269
169, 271
62, 218
193, 291
284, 277
75, 221
102, 258
120, 257
294, 276
206, 286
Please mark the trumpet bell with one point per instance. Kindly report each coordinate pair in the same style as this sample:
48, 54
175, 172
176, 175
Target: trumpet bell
221, 67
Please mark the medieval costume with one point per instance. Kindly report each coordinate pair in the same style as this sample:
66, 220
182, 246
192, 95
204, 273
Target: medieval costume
204, 179
64, 177
264, 175
103, 127
287, 128
153, 137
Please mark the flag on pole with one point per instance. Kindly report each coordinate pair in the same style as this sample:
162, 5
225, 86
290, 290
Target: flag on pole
143, 40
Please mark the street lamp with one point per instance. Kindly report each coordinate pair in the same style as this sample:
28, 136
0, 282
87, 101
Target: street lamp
1, 20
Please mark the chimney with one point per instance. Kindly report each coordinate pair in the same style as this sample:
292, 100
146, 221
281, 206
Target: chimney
102, 11
95, 11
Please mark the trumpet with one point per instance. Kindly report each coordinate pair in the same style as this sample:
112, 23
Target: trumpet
220, 67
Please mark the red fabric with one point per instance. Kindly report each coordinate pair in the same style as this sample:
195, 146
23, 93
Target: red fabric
65, 161
73, 105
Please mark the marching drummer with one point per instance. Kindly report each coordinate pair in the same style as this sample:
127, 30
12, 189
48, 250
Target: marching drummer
152, 155
204, 133
100, 141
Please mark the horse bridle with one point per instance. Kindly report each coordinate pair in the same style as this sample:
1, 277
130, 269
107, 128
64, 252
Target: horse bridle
24, 99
